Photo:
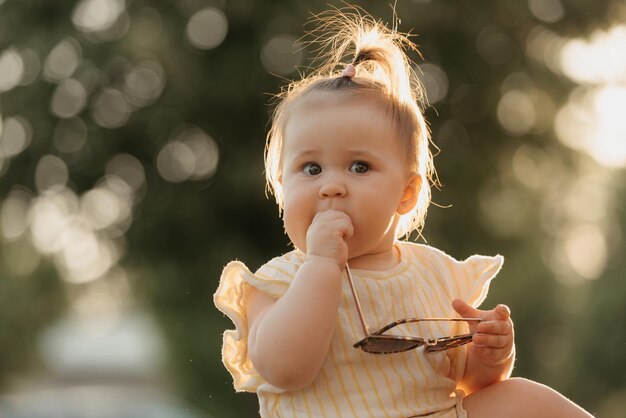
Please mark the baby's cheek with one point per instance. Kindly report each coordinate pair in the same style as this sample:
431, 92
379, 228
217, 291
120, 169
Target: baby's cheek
296, 229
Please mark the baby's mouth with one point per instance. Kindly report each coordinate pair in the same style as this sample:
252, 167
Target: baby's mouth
333, 204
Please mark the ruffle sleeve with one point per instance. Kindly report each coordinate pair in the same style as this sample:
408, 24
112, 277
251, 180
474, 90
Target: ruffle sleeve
467, 279
231, 298
475, 274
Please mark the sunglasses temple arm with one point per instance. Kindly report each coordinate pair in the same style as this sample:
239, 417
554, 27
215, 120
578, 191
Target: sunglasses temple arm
366, 330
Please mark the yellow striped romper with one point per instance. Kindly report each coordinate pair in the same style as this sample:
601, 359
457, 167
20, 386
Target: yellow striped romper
353, 383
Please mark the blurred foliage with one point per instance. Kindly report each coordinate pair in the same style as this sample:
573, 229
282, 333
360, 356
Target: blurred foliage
181, 232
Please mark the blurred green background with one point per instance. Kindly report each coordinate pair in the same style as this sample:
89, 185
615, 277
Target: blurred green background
131, 141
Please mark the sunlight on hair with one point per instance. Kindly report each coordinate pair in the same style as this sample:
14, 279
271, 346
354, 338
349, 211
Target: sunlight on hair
207, 28
383, 68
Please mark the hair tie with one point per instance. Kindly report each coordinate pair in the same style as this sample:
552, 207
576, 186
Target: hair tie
349, 71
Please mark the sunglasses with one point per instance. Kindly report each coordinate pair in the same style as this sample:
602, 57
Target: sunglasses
380, 343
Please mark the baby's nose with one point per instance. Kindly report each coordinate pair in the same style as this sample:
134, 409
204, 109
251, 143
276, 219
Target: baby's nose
332, 189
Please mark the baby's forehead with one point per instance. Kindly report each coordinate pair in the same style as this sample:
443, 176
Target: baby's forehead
338, 98
367, 106
356, 128
341, 112
352, 108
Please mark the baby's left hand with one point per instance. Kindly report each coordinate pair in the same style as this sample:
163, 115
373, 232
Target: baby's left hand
493, 341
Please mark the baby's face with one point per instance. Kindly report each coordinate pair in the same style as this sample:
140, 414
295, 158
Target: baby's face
341, 152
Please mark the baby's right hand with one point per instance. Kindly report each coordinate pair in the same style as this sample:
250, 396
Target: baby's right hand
327, 236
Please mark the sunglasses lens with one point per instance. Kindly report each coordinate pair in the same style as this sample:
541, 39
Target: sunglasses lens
387, 344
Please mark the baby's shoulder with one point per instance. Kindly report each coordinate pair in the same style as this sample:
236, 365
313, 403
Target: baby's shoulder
422, 252
272, 278
284, 266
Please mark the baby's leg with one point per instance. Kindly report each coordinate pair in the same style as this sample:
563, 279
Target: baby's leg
520, 398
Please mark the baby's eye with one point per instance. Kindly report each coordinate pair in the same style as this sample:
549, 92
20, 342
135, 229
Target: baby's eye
359, 167
311, 169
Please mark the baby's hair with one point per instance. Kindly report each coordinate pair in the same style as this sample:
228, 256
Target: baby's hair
383, 71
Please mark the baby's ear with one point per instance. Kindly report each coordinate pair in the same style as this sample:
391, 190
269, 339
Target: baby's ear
409, 197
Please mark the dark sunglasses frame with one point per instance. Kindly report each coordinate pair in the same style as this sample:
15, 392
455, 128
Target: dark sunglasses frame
378, 342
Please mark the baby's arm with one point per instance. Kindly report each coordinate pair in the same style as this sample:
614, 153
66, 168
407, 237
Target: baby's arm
289, 337
492, 352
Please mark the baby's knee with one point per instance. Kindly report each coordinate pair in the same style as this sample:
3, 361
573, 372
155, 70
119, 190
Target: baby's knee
518, 397
526, 387
520, 383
